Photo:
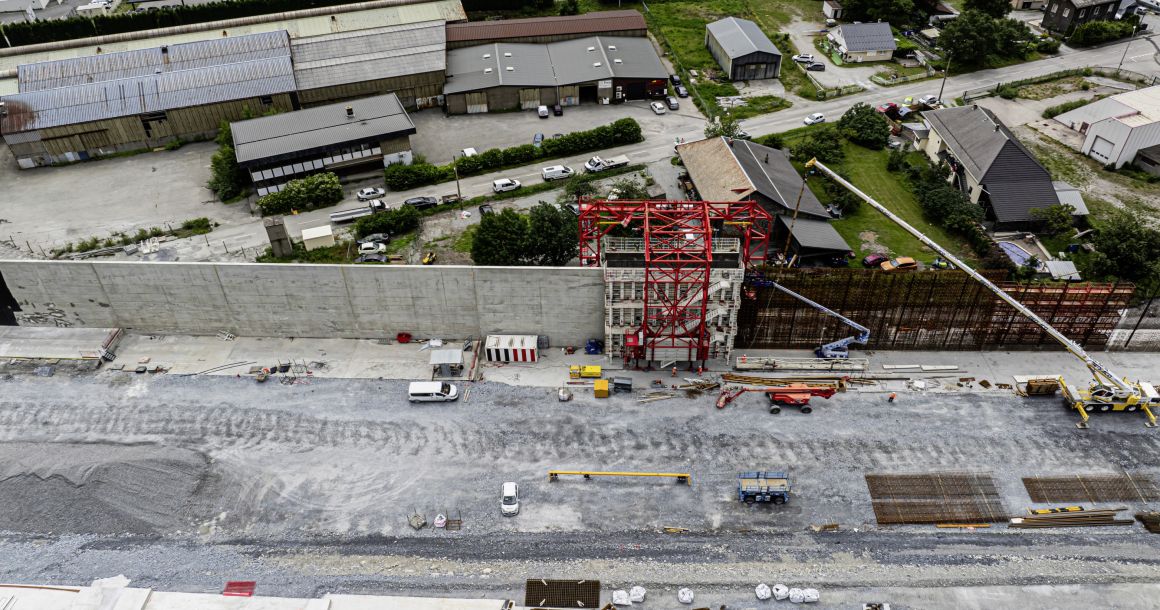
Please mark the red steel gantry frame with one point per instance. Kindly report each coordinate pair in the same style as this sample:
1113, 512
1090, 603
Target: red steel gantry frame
678, 258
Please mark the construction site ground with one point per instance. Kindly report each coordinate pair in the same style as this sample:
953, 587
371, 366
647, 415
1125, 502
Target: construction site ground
185, 482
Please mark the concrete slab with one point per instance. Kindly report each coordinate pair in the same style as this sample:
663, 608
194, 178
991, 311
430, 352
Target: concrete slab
45, 343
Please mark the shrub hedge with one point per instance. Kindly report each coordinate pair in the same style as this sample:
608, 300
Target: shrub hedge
317, 191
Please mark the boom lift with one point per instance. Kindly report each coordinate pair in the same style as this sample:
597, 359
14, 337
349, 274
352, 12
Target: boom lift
832, 350
1107, 391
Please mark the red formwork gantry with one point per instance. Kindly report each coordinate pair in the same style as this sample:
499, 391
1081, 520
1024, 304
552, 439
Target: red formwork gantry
678, 259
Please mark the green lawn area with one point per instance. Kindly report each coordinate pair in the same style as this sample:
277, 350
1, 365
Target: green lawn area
761, 104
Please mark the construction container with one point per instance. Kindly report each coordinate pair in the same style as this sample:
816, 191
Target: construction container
600, 388
584, 372
511, 348
318, 237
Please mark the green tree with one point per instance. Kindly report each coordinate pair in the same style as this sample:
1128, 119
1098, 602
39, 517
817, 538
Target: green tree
874, 10
226, 179
1096, 32
553, 236
502, 239
627, 188
1126, 249
1012, 38
864, 125
570, 7
723, 124
579, 185
969, 39
319, 190
1057, 219
993, 8
823, 143
395, 222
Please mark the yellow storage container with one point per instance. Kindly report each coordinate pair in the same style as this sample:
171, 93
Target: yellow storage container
578, 372
600, 388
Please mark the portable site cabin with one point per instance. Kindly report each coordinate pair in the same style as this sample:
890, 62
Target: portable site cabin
511, 348
318, 237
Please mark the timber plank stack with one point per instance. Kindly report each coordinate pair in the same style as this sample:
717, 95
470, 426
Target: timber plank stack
1086, 518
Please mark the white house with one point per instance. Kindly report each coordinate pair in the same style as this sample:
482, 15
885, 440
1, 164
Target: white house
858, 42
20, 6
1116, 128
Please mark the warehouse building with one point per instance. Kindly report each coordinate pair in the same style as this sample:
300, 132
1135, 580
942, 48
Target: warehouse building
742, 50
542, 30
76, 109
369, 132
408, 60
510, 76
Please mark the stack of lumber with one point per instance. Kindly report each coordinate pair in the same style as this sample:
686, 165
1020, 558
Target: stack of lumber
1151, 521
1086, 518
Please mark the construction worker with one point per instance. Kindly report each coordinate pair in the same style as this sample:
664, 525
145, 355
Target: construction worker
891, 397
674, 371
700, 370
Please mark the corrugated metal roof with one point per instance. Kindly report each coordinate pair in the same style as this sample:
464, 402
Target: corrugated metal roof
152, 93
740, 37
867, 36
1070, 195
485, 66
588, 23
573, 61
363, 55
319, 127
144, 62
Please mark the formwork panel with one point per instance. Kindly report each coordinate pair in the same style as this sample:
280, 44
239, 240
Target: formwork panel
935, 497
1093, 488
541, 593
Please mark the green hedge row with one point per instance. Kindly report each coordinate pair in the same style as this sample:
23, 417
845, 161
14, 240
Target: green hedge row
420, 173
317, 191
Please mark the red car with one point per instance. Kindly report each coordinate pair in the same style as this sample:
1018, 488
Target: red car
874, 260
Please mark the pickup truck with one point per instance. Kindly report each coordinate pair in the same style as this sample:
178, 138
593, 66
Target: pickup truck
596, 164
374, 206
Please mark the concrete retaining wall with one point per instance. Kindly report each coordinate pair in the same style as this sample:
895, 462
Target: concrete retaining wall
352, 301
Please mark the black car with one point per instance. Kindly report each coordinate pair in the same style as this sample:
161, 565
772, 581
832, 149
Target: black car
375, 238
371, 258
676, 79
817, 66
485, 209
422, 203
558, 110
682, 91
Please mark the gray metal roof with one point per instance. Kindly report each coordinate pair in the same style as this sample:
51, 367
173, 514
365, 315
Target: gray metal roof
774, 176
363, 55
320, 127
815, 234
740, 37
548, 65
1070, 195
156, 60
153, 93
867, 36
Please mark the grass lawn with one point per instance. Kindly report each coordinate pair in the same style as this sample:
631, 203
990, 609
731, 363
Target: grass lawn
761, 104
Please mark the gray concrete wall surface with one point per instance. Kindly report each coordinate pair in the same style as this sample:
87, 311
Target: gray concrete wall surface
272, 300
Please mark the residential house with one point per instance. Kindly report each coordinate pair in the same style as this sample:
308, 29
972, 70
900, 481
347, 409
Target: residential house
1116, 128
858, 42
1028, 5
742, 49
990, 165
1065, 15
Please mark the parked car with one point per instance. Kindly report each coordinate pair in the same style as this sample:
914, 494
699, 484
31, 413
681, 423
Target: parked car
928, 100
375, 238
558, 110
657, 108
573, 207
815, 118
372, 247
422, 203
509, 503
505, 184
741, 134
902, 263
673, 103
681, 91
371, 193
816, 66
804, 58
371, 258
888, 107
557, 135
469, 152
676, 80
874, 260
537, 140
556, 172
543, 112
485, 209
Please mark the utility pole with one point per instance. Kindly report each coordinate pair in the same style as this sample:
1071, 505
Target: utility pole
455, 167
1130, 39
946, 73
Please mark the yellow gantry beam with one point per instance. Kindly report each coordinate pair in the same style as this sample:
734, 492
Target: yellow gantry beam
682, 477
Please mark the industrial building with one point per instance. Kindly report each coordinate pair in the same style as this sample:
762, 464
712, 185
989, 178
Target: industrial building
509, 76
372, 131
76, 109
408, 60
540, 30
1115, 129
742, 50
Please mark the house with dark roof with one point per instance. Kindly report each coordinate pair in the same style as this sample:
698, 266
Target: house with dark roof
1065, 15
724, 169
990, 165
742, 49
542, 30
858, 42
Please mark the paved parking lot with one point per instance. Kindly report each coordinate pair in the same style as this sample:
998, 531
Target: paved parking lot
802, 34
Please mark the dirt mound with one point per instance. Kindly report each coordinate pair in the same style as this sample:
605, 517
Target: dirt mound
98, 488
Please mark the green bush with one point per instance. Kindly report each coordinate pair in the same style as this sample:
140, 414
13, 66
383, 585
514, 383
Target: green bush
1059, 109
823, 143
395, 222
1048, 45
174, 144
1008, 92
197, 225
317, 191
401, 177
773, 140
1097, 32
863, 125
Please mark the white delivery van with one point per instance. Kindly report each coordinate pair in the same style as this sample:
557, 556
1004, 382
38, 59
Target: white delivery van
431, 391
556, 172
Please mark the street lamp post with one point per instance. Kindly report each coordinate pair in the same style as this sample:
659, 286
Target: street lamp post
1130, 39
946, 73
455, 168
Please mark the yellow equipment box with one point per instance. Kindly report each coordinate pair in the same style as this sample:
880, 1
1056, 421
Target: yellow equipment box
578, 372
600, 388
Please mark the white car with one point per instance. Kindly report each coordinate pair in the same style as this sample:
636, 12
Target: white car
372, 247
803, 58
543, 112
815, 118
509, 504
658, 107
505, 184
928, 100
370, 193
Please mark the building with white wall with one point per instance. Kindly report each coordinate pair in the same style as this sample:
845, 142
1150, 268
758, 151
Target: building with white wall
1116, 128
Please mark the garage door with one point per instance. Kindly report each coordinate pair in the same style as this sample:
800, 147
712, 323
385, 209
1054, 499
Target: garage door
569, 95
1102, 149
476, 102
529, 99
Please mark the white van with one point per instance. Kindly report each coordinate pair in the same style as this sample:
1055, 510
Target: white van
509, 503
556, 172
431, 391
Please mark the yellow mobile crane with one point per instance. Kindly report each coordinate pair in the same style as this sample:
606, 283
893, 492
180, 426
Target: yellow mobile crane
1107, 392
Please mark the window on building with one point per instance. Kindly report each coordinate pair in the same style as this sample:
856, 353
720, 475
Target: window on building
1081, 12
266, 100
1066, 11
1054, 8
1099, 9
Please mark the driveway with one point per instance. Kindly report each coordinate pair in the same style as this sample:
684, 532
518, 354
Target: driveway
803, 34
